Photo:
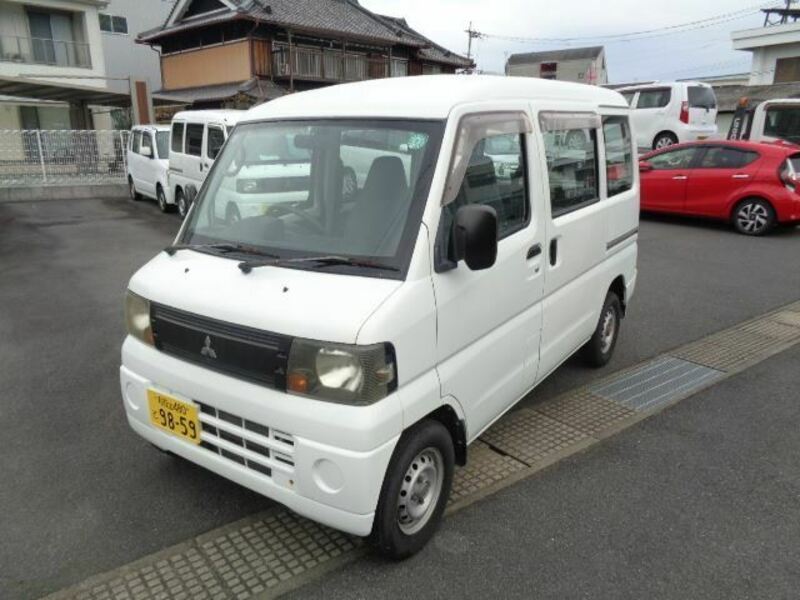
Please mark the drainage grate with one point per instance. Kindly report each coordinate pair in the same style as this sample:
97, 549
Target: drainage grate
658, 382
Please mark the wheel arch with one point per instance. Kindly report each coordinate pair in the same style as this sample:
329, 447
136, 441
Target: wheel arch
734, 205
456, 426
619, 288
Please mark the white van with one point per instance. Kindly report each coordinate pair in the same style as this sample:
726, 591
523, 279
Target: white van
196, 140
666, 113
147, 164
338, 355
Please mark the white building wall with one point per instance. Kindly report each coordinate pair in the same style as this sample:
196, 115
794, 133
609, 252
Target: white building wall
14, 21
765, 60
568, 70
768, 44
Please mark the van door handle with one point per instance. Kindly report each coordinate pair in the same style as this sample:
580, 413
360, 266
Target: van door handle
553, 252
534, 251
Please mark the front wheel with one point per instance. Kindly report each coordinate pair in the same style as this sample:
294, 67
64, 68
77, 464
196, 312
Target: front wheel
599, 349
415, 491
754, 217
162, 200
134, 195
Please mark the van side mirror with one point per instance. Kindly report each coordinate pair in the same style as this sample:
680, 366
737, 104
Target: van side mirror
645, 166
146, 152
474, 238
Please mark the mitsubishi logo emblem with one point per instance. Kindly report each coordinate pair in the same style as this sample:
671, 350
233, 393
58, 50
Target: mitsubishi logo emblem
207, 350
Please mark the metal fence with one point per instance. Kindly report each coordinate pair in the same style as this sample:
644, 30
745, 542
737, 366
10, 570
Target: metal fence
61, 157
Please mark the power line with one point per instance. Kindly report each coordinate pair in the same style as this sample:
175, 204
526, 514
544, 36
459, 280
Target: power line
642, 34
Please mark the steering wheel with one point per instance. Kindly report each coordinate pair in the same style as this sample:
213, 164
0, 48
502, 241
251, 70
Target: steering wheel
316, 225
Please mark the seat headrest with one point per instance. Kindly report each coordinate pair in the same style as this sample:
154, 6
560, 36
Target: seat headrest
386, 173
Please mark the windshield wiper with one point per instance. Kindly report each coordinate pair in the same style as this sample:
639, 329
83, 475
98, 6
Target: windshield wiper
321, 261
224, 248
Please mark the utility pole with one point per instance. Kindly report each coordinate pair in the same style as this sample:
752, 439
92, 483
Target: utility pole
472, 34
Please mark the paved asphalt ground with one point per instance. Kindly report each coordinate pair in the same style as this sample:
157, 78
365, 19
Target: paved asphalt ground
81, 494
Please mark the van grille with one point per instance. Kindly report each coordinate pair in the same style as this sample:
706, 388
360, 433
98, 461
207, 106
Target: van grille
235, 350
250, 444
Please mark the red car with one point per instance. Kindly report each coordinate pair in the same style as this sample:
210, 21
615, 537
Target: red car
753, 185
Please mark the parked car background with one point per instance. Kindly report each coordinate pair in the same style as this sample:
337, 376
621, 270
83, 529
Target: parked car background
753, 185
671, 112
148, 164
195, 141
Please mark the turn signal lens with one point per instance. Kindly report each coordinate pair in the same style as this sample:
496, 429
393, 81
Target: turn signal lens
297, 382
137, 318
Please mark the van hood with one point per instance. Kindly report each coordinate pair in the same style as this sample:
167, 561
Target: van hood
311, 304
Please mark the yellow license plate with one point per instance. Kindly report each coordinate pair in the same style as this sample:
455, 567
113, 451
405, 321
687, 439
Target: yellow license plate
174, 416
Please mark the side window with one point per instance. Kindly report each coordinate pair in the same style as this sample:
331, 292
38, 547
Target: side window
654, 98
720, 157
628, 97
147, 141
194, 139
673, 159
136, 141
489, 168
177, 138
619, 154
570, 141
216, 137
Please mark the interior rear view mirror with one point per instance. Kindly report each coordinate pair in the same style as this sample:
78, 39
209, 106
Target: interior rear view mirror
475, 236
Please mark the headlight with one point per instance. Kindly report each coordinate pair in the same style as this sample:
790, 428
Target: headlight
358, 375
137, 318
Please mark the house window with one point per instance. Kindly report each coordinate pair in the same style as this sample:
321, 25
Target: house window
113, 24
787, 69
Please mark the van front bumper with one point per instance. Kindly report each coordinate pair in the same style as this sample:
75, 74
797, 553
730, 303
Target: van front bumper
333, 478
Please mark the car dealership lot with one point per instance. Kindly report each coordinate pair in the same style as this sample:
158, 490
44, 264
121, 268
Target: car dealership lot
88, 495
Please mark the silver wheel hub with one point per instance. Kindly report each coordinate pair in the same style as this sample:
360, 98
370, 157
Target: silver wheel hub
663, 142
420, 490
752, 217
608, 330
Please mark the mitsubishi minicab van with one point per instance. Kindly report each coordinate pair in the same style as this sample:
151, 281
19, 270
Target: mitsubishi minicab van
196, 139
338, 353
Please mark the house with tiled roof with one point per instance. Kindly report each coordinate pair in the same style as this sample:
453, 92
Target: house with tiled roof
241, 52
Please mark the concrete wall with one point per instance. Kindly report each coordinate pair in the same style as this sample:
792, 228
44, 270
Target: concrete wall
123, 56
14, 21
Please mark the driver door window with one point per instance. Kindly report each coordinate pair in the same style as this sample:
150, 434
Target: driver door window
214, 141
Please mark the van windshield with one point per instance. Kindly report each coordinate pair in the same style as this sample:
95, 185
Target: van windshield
783, 122
305, 189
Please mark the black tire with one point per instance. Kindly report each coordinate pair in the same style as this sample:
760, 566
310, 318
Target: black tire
600, 348
161, 197
180, 201
393, 531
754, 216
664, 139
134, 195
232, 214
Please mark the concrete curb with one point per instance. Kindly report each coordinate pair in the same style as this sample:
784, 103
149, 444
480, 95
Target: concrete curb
40, 193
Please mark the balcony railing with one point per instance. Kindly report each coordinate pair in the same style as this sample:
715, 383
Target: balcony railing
333, 65
40, 51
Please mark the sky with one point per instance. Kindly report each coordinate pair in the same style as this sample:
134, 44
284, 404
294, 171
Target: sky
698, 53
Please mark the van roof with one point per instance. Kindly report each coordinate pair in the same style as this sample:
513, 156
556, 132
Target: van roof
660, 84
151, 127
424, 97
229, 116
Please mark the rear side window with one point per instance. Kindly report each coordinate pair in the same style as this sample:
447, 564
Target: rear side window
673, 159
216, 137
720, 157
628, 97
177, 138
136, 140
702, 97
194, 139
658, 98
619, 154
